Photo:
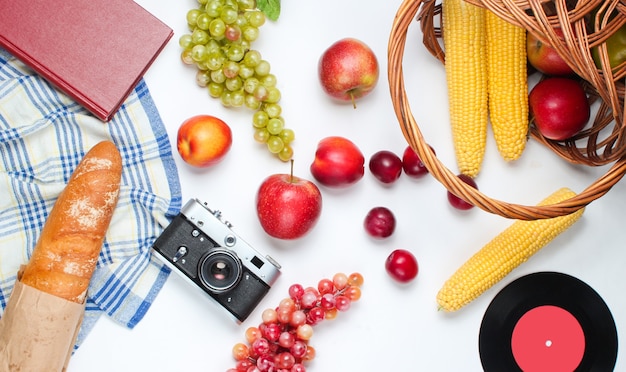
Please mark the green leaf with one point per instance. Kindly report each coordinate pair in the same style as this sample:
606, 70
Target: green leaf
271, 8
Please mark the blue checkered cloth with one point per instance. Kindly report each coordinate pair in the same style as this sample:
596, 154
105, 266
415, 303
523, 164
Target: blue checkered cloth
43, 136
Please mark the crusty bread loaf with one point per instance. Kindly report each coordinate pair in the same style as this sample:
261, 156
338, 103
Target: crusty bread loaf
66, 253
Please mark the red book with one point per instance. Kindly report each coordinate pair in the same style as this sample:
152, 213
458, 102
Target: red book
96, 52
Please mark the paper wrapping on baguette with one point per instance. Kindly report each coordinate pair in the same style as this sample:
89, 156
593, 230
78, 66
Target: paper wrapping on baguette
37, 331
42, 318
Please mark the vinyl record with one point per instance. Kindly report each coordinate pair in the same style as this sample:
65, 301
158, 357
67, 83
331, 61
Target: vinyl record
548, 321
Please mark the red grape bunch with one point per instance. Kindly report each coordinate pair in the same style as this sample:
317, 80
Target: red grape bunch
281, 342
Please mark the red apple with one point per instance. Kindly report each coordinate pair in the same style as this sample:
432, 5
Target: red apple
203, 140
288, 206
559, 107
348, 70
338, 162
545, 58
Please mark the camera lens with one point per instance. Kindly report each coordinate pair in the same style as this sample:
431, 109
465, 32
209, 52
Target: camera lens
220, 270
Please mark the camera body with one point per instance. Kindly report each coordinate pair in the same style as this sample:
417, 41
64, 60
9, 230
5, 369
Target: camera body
206, 252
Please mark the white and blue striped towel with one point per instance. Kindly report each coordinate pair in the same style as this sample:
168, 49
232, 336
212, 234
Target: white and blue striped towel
43, 136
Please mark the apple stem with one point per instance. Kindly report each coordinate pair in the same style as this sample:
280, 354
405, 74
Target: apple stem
353, 100
291, 172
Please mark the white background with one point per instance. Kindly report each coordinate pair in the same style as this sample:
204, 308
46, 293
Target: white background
393, 327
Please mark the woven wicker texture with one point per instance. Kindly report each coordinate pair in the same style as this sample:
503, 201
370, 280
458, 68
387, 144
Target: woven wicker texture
589, 24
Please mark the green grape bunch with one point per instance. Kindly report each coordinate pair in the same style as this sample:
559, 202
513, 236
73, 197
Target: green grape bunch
219, 46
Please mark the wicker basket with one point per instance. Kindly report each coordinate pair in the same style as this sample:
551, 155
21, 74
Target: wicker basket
602, 143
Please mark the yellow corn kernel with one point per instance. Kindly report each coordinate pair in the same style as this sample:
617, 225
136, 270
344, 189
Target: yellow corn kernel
508, 85
505, 252
464, 42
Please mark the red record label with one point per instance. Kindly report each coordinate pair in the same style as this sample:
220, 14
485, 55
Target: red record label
548, 338
547, 322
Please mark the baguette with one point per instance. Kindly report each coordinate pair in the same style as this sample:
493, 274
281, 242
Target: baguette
67, 250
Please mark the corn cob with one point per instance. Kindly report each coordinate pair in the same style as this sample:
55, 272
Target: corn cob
466, 74
505, 252
507, 85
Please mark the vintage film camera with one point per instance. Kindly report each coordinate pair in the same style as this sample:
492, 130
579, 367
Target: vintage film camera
204, 250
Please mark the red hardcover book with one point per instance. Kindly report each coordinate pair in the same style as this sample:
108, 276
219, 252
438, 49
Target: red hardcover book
96, 52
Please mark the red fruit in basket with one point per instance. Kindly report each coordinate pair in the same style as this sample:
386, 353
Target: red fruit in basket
348, 70
338, 162
545, 58
559, 107
457, 202
385, 166
412, 164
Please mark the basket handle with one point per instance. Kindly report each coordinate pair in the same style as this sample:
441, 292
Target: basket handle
395, 54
